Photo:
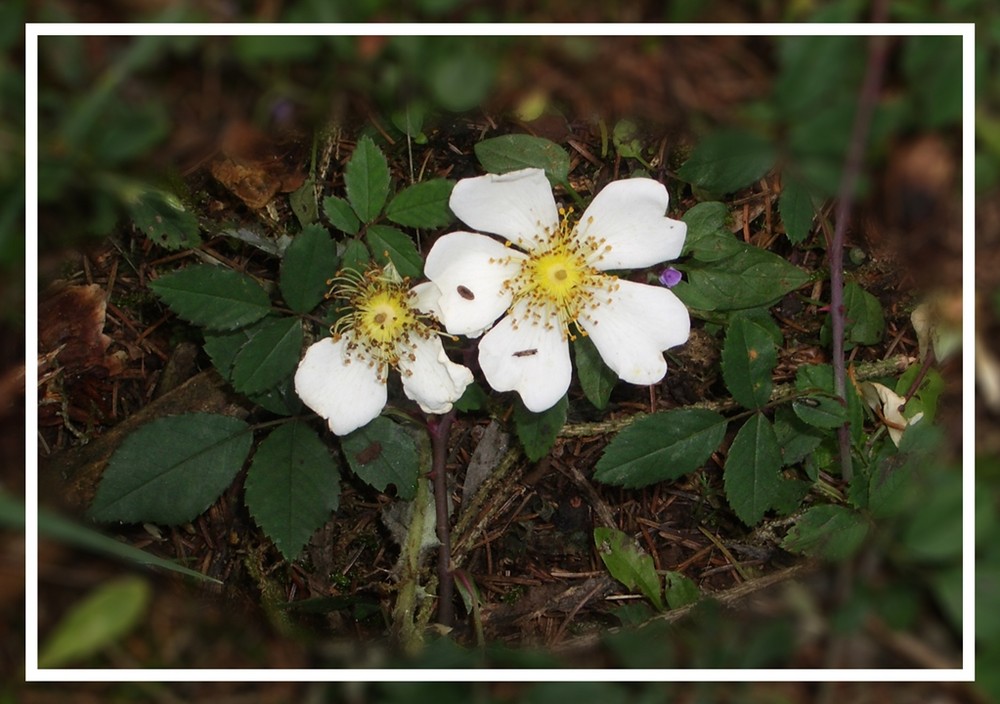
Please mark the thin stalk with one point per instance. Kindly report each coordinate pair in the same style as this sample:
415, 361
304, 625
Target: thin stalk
439, 427
853, 163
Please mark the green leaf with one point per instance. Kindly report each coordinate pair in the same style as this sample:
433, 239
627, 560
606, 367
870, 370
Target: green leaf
538, 431
212, 296
709, 237
820, 411
473, 399
748, 358
102, 618
750, 278
356, 256
661, 447
680, 591
367, 180
821, 408
308, 263
933, 68
628, 563
625, 138
422, 205
390, 245
511, 152
934, 534
752, 470
865, 319
172, 469
303, 202
340, 214
460, 79
292, 486
270, 355
162, 218
727, 161
382, 453
827, 531
596, 379
795, 205
796, 439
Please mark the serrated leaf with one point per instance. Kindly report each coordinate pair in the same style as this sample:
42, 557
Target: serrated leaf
727, 161
795, 205
356, 256
269, 356
750, 278
821, 408
511, 152
382, 453
596, 379
172, 469
748, 358
213, 297
308, 263
709, 237
280, 399
292, 486
162, 218
422, 204
796, 439
827, 531
100, 619
628, 563
390, 245
341, 215
661, 447
538, 431
752, 470
367, 180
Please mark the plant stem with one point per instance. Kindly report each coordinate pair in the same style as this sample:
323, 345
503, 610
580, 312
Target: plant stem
853, 163
439, 427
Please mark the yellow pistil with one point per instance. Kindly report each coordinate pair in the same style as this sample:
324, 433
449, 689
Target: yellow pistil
558, 277
379, 319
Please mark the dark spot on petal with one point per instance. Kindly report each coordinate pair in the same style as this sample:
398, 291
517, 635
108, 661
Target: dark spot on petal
466, 293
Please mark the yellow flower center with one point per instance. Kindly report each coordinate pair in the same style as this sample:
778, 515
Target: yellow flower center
558, 278
379, 320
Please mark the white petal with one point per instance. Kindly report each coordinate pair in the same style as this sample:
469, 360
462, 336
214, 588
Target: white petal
470, 271
629, 216
632, 325
347, 393
521, 354
518, 205
430, 378
426, 298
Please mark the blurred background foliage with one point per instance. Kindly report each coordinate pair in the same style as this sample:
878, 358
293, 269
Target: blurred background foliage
110, 133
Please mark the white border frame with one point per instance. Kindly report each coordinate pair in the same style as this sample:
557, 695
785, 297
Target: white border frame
34, 674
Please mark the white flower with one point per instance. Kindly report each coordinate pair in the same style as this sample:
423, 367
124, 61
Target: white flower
343, 378
887, 404
556, 277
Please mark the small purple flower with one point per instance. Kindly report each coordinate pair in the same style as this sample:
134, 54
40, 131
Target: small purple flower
670, 277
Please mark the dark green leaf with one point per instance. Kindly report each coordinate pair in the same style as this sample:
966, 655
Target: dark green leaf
748, 358
750, 278
538, 431
270, 355
367, 180
933, 67
213, 297
461, 80
709, 237
820, 411
172, 469
727, 161
303, 202
382, 453
796, 439
423, 205
511, 152
626, 140
356, 256
596, 379
390, 245
162, 218
473, 399
102, 618
752, 471
661, 447
292, 486
865, 320
827, 531
280, 399
340, 214
816, 71
821, 408
628, 563
935, 532
796, 209
308, 263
